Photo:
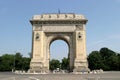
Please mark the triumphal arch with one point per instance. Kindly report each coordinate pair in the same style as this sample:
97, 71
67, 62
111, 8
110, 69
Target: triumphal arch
49, 27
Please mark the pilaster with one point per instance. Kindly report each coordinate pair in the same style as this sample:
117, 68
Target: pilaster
80, 62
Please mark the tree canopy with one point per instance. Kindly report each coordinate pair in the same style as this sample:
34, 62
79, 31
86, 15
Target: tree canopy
105, 59
17, 62
54, 64
65, 64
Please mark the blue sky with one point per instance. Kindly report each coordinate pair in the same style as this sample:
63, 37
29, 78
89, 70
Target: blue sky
102, 28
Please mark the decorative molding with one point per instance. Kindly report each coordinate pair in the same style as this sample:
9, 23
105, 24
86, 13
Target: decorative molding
79, 27
37, 27
38, 22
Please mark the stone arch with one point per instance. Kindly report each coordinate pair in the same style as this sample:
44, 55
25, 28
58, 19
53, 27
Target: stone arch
60, 38
65, 37
51, 27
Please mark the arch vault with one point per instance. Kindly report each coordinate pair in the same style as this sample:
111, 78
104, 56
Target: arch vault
49, 27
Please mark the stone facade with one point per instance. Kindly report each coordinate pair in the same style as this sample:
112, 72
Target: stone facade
50, 27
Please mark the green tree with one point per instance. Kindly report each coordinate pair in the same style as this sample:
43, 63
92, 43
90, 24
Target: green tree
6, 62
105, 59
113, 63
108, 57
65, 64
118, 61
95, 60
105, 53
54, 64
25, 63
18, 61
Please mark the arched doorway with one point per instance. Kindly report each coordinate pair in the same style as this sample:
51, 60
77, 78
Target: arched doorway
59, 49
67, 40
59, 53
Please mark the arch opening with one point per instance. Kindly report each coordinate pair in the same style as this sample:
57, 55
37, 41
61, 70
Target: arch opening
59, 49
59, 53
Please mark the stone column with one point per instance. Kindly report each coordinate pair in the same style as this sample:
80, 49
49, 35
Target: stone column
37, 62
80, 62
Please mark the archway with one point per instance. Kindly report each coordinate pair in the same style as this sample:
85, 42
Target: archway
59, 49
59, 53
51, 37
50, 27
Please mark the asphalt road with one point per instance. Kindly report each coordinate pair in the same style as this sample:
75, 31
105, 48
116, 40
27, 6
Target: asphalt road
102, 76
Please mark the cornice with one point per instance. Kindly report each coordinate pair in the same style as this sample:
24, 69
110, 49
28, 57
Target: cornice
42, 22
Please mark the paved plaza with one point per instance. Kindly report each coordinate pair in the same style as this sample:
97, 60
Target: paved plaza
102, 76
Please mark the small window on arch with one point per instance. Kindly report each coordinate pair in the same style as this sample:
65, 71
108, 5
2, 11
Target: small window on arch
37, 36
79, 36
